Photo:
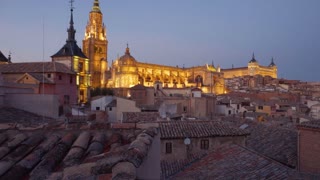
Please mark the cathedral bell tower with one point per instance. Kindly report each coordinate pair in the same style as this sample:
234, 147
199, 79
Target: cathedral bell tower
95, 46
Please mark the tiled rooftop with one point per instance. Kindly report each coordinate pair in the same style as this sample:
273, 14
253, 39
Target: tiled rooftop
35, 67
234, 162
196, 129
272, 139
170, 167
12, 115
314, 124
72, 154
134, 117
41, 78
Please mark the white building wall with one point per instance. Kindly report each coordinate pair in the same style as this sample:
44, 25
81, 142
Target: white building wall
101, 103
125, 105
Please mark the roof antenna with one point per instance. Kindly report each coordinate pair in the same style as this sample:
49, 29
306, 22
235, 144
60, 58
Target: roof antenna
43, 63
9, 57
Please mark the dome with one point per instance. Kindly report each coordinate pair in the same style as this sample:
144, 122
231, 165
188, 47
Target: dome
127, 59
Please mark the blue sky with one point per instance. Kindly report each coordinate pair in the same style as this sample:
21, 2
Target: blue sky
176, 32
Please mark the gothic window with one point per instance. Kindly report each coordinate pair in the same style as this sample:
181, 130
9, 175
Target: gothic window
199, 81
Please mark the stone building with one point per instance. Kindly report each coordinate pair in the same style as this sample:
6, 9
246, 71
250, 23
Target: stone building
127, 72
181, 140
72, 56
95, 46
254, 68
309, 147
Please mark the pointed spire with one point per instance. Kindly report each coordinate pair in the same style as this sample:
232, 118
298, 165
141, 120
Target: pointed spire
272, 63
127, 49
96, 7
253, 60
71, 30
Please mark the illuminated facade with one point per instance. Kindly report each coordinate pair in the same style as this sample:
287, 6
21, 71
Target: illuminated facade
254, 68
95, 46
126, 72
71, 55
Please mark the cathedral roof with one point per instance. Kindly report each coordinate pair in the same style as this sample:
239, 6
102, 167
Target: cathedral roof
127, 59
3, 58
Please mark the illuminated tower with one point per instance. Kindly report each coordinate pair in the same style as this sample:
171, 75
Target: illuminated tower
274, 68
253, 66
95, 46
72, 56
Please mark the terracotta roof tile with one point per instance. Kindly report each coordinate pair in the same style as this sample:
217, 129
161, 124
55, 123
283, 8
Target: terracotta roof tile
133, 117
41, 78
35, 67
84, 155
271, 139
314, 124
194, 129
234, 162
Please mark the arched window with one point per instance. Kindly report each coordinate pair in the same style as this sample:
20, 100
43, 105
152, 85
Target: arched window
199, 81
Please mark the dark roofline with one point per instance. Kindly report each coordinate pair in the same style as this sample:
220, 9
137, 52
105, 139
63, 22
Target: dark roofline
31, 67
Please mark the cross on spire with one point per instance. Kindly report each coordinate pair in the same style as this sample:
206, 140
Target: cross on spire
71, 30
71, 5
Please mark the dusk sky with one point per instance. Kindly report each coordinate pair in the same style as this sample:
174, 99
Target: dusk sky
175, 32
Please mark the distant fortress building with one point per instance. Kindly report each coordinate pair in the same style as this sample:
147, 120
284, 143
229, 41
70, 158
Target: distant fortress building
253, 69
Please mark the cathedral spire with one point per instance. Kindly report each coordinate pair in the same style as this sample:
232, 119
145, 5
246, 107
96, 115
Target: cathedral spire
96, 7
71, 30
127, 49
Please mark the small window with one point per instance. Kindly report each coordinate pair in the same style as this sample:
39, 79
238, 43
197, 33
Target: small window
204, 144
71, 79
66, 99
97, 108
168, 148
110, 108
260, 107
60, 77
49, 75
184, 108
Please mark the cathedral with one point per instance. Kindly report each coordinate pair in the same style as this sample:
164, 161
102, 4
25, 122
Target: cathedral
91, 65
126, 71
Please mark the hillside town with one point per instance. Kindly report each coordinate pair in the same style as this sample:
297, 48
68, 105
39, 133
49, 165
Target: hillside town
79, 117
